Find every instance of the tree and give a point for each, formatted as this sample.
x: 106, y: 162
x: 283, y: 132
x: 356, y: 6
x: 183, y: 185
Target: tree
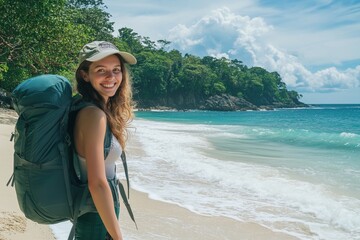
x: 197, y: 79
x: 131, y: 38
x: 92, y: 16
x: 174, y: 84
x: 45, y: 36
x: 24, y: 46
x: 148, y: 44
x: 219, y: 88
x: 163, y: 44
x: 151, y: 78
x: 253, y: 89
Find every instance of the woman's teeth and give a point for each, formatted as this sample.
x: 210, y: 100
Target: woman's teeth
x: 110, y: 85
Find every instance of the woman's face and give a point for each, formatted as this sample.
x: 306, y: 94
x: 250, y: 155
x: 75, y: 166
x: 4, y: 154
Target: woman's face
x: 105, y: 76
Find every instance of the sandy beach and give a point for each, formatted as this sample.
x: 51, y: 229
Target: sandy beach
x: 155, y: 219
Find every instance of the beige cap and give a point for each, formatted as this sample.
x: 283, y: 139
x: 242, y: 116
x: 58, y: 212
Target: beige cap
x: 98, y: 50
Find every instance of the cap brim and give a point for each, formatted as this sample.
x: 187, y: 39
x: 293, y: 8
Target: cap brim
x: 129, y: 58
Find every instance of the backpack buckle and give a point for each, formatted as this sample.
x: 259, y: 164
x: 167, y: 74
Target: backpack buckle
x: 68, y: 139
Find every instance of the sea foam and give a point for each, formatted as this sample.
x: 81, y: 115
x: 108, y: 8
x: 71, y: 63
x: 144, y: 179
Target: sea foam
x: 182, y: 166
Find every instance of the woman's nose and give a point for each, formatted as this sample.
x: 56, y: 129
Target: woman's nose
x: 110, y: 74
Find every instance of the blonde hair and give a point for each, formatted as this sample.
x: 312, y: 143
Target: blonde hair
x: 118, y: 109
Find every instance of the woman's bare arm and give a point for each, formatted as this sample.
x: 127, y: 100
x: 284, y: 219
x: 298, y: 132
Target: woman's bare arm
x: 91, y: 123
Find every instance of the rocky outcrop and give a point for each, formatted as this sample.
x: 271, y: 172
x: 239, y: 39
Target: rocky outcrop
x: 227, y: 102
x: 284, y: 105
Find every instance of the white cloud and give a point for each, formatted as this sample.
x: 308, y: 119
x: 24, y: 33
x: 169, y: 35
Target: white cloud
x: 223, y: 33
x: 331, y: 78
x: 296, y: 75
x: 314, y: 31
x: 226, y: 34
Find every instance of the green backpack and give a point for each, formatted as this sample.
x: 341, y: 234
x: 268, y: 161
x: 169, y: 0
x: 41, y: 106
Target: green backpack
x: 47, y: 185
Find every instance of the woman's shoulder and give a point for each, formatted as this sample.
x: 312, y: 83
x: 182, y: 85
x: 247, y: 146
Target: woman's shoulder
x: 91, y: 116
x: 91, y: 110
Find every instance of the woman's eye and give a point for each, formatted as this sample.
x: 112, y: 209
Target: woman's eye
x: 104, y: 72
x: 117, y: 70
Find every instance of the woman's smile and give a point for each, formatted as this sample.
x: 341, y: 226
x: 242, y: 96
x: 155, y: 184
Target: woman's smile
x: 108, y: 85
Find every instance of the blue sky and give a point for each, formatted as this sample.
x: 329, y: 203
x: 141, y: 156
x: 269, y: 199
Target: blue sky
x: 313, y: 44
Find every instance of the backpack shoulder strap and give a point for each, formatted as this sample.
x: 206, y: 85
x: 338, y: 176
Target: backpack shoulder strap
x: 107, y: 140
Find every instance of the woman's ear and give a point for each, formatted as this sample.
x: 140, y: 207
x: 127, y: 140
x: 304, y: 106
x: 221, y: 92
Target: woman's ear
x: 84, y: 75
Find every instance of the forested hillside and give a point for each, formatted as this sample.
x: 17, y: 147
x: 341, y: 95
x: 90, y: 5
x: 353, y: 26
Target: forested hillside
x: 38, y: 37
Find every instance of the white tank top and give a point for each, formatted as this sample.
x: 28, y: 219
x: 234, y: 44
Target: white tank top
x: 110, y: 167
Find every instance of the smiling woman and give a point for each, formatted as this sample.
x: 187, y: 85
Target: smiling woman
x: 103, y: 81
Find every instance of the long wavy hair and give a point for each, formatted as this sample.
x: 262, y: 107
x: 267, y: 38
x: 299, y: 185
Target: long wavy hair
x: 118, y: 109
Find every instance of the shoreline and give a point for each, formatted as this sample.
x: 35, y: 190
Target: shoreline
x: 155, y: 219
x: 161, y: 220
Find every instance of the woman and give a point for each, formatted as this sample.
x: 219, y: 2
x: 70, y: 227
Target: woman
x: 102, y: 78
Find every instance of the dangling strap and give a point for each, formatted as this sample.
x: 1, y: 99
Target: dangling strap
x: 72, y: 232
x: 123, y: 159
x: 12, y: 179
x: 122, y: 190
x: 126, y: 202
x: 77, y: 212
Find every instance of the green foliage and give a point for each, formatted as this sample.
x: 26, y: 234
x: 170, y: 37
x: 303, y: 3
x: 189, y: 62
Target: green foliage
x: 3, y: 69
x: 151, y: 73
x: 131, y: 39
x: 45, y: 36
x: 38, y: 37
x: 219, y: 88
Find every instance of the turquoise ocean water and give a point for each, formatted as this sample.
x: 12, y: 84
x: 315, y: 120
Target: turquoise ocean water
x: 291, y: 170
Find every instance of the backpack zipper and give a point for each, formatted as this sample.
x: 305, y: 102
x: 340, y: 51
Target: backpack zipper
x: 12, y: 136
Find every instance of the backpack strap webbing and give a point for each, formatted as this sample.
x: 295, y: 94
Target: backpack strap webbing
x: 126, y: 202
x: 123, y: 159
x: 77, y: 211
x: 72, y: 232
x: 122, y: 190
